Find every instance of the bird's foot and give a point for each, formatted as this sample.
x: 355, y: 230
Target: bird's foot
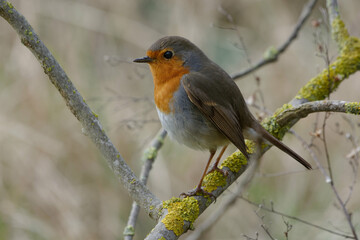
x: 215, y: 168
x: 196, y: 192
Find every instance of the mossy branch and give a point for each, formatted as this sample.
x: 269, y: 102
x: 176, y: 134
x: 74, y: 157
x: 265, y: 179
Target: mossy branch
x: 303, y: 110
x: 347, y: 63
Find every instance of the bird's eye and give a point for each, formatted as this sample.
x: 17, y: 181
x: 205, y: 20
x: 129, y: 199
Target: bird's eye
x: 168, y: 54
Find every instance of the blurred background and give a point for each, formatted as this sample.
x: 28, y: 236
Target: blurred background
x: 54, y: 184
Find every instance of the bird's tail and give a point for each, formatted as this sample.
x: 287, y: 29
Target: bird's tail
x: 274, y: 141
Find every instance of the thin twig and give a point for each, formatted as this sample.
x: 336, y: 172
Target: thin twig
x: 345, y: 211
x: 240, y: 37
x: 333, y: 10
x: 150, y: 156
x: 313, y: 155
x: 272, y: 210
x: 303, y: 17
x: 332, y: 184
x: 327, y: 155
x: 354, y: 160
x: 250, y: 238
x: 267, y: 231
x: 288, y: 228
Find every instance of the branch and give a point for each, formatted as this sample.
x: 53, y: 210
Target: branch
x: 302, y: 110
x: 333, y: 9
x: 150, y: 156
x: 272, y: 53
x: 346, y: 63
x: 77, y: 105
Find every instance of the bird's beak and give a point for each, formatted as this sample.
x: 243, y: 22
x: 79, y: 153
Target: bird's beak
x: 143, y: 60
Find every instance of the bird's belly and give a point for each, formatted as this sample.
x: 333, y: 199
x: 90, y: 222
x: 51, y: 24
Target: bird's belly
x: 187, y: 125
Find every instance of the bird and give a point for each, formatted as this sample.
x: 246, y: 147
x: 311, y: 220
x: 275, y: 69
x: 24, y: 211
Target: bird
x: 200, y: 105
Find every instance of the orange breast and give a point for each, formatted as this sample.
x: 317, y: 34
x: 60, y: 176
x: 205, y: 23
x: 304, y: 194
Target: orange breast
x: 167, y: 76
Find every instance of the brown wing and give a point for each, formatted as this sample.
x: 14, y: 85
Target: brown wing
x: 221, y: 113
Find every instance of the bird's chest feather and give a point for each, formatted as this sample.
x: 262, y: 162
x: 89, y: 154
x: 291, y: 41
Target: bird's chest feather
x: 186, y: 124
x: 167, y: 79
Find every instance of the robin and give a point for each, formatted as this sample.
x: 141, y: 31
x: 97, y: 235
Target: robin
x: 199, y: 104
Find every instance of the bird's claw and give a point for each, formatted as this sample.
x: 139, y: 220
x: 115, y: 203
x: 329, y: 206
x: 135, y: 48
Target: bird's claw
x: 222, y: 171
x: 196, y: 192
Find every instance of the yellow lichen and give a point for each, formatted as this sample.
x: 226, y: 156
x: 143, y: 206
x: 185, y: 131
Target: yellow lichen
x: 339, y: 32
x: 180, y: 210
x: 353, y: 108
x: 151, y: 153
x: 213, y: 180
x: 129, y: 231
x: 347, y: 63
x: 271, y: 125
x: 9, y: 4
x: 95, y: 115
x: 48, y: 69
x: 160, y: 139
x: 271, y: 53
x: 284, y: 107
x: 236, y: 161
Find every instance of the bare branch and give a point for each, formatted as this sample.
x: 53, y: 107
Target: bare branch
x: 308, y: 147
x: 275, y: 53
x: 353, y: 157
x: 150, y: 156
x: 333, y: 9
x: 345, y: 211
x: 272, y: 210
x: 342, y: 38
x: 266, y: 229
x: 77, y: 105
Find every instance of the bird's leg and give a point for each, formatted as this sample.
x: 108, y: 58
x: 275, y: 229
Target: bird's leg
x: 215, y: 166
x: 198, y: 188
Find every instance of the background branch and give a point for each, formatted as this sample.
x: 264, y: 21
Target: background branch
x: 272, y: 210
x: 149, y: 158
x: 273, y: 53
x: 77, y: 105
